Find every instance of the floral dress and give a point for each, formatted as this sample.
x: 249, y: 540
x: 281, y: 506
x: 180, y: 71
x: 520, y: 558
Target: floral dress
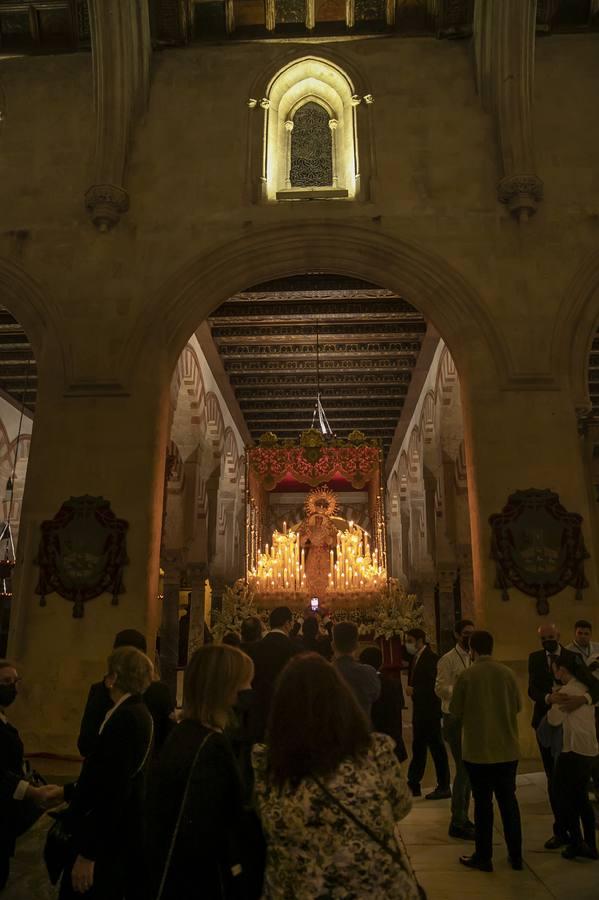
x: 315, y: 852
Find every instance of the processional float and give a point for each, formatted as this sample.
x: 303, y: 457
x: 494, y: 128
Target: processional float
x: 323, y: 556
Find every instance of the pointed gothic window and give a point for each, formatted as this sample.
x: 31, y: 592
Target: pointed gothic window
x: 309, y: 133
x: 311, y: 163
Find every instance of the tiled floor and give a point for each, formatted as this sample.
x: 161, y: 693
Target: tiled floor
x: 546, y: 875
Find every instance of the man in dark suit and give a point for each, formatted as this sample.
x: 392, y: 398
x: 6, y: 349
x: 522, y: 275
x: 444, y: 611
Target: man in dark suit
x: 541, y: 690
x: 387, y: 711
x: 426, y: 717
x: 17, y: 796
x: 270, y: 656
x: 157, y: 698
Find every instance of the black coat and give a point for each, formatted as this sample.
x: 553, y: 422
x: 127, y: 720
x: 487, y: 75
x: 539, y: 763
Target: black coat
x: 270, y: 655
x: 421, y: 677
x: 541, y: 680
x: 320, y: 644
x: 215, y: 833
x: 11, y: 773
x: 106, y: 803
x: 157, y: 698
x: 386, y: 713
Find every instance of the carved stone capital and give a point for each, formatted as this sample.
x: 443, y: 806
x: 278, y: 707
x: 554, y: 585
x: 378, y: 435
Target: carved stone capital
x: 106, y: 204
x: 520, y: 193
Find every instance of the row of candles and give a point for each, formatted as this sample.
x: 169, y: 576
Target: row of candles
x: 352, y: 566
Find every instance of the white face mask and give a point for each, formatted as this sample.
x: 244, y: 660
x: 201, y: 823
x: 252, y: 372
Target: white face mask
x: 411, y: 649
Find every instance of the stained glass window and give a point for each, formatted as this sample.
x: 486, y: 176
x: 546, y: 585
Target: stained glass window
x: 311, y: 148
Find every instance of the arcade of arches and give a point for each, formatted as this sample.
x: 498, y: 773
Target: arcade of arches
x: 172, y: 275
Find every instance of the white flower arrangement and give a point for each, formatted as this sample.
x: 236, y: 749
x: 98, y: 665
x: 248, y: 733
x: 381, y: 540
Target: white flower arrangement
x: 393, y: 616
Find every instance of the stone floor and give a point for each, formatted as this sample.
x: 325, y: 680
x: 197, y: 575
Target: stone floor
x: 546, y: 875
x: 434, y: 856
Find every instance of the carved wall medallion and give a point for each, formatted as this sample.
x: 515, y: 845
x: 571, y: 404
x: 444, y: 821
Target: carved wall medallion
x: 82, y: 553
x: 538, y: 547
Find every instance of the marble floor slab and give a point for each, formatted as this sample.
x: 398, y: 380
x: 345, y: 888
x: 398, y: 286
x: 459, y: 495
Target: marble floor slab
x: 434, y: 855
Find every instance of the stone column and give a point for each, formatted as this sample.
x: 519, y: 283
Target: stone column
x: 217, y: 586
x: 504, y: 42
x: 333, y: 125
x: 288, y: 130
x: 446, y: 575
x: 121, y: 50
x: 169, y: 627
x: 270, y: 15
x: 517, y: 438
x: 90, y: 438
x: 197, y: 575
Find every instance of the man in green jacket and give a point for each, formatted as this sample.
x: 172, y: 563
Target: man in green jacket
x: 487, y: 701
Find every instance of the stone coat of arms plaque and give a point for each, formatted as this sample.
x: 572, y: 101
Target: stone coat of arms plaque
x: 538, y: 547
x: 82, y: 552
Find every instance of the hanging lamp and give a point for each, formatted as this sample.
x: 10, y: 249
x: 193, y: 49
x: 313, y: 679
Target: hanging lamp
x: 319, y: 413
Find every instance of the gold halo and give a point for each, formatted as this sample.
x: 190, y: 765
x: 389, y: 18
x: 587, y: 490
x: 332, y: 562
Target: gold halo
x: 320, y: 494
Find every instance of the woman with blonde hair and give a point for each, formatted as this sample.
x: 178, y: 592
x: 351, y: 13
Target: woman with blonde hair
x: 201, y: 840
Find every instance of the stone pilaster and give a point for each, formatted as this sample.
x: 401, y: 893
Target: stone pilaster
x: 446, y: 582
x: 169, y: 629
x: 196, y: 576
x: 217, y: 586
x: 121, y: 50
x: 504, y: 42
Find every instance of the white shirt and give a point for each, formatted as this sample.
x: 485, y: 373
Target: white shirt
x: 21, y: 788
x: 449, y: 669
x: 579, y: 726
x: 112, y: 711
x: 589, y: 654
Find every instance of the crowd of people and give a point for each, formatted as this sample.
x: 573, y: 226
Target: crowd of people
x: 281, y: 776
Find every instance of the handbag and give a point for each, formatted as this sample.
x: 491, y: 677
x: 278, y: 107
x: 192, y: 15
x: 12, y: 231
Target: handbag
x: 58, y: 849
x: 402, y: 859
x: 171, y: 849
x: 242, y: 877
x: 58, y: 846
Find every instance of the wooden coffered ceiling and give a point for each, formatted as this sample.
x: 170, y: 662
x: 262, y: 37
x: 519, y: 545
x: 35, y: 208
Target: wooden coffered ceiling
x: 18, y: 371
x: 369, y: 342
x: 51, y: 26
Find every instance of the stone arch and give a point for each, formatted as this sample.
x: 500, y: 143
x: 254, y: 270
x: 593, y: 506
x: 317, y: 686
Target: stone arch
x: 188, y: 376
x: 447, y: 377
x: 415, y: 456
x: 402, y: 474
x: 39, y: 316
x: 421, y: 276
x: 427, y: 418
x: 394, y: 496
x: 230, y: 463
x: 215, y: 426
x: 575, y: 329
